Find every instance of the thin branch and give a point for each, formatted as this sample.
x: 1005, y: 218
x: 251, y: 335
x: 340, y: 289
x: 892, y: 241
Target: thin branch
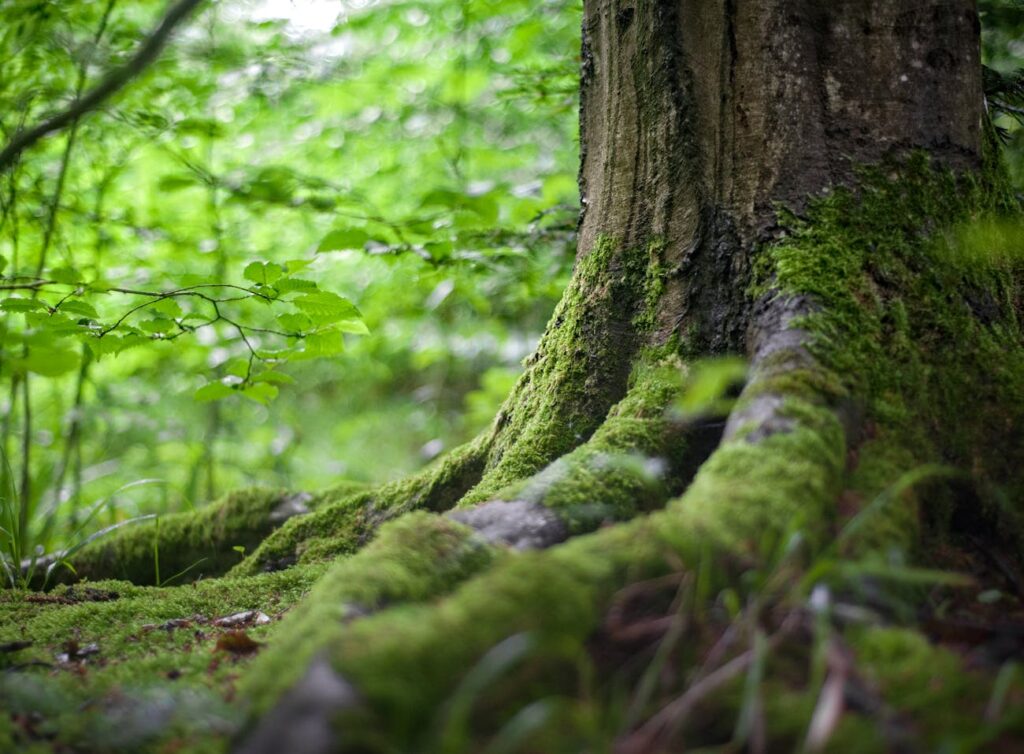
x: 114, y: 82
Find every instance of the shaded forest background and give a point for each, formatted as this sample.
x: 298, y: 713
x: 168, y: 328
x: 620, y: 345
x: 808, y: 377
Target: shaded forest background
x: 414, y: 161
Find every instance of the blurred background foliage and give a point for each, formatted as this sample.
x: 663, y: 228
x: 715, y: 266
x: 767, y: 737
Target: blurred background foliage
x: 414, y: 159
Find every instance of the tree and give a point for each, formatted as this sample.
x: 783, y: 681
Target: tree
x: 815, y: 186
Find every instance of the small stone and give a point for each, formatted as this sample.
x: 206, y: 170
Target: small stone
x: 245, y: 618
x: 174, y: 623
x: 73, y: 651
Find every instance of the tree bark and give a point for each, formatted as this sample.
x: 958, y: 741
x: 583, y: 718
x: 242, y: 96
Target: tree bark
x: 699, y: 118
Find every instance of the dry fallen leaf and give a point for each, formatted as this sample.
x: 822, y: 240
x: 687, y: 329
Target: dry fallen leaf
x: 237, y: 643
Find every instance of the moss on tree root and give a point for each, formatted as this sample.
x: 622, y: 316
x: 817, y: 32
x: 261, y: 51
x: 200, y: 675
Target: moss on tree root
x: 406, y: 659
x: 206, y: 542
x: 580, y: 368
x: 414, y: 559
x: 342, y: 524
x: 640, y: 456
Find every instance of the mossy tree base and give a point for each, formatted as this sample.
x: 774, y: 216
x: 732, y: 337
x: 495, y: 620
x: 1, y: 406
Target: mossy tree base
x: 804, y: 585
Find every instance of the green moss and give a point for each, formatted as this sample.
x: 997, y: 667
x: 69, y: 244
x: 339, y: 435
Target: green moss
x: 631, y: 464
x: 892, y: 524
x: 416, y: 558
x: 342, y: 525
x: 747, y: 496
x: 917, y: 314
x: 145, y: 684
x: 653, y: 287
x: 186, y: 545
x: 929, y: 685
x: 580, y: 368
x: 406, y: 672
x: 744, y: 499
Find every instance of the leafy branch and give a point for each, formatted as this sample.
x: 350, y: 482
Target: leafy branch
x: 110, y: 85
x: 319, y: 321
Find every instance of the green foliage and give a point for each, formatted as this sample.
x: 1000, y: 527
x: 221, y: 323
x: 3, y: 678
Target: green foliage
x: 281, y: 223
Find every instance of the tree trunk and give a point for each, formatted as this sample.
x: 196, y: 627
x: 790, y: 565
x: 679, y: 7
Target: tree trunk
x: 699, y: 118
x: 790, y: 180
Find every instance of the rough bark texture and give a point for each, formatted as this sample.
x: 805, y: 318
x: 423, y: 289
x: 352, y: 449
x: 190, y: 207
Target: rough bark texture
x: 445, y: 603
x: 699, y: 118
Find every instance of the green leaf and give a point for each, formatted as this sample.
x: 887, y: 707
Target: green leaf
x: 263, y: 273
x: 49, y: 326
x: 213, y: 391
x: 73, y: 306
x: 274, y: 377
x: 292, y: 265
x: 295, y: 322
x: 239, y: 367
x: 354, y: 326
x: 168, y: 307
x: 325, y: 307
x: 278, y: 354
x: 342, y: 239
x: 441, y: 197
x: 48, y: 362
x: 66, y: 275
x: 99, y: 285
x: 260, y: 392
x: 114, y: 344
x: 272, y: 184
x: 486, y: 206
x: 708, y: 386
x: 290, y: 285
x: 157, y: 325
x: 322, y: 344
x: 176, y: 182
x: 199, y: 126
x: 18, y: 304
x: 439, y: 250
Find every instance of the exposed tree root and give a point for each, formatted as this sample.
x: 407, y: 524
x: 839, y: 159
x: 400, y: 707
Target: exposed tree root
x: 201, y: 543
x: 344, y: 524
x: 786, y: 468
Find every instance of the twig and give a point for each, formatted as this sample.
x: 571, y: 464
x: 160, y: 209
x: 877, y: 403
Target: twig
x: 114, y: 82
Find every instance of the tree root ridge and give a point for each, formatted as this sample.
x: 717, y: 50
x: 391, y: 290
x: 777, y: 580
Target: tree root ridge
x: 344, y: 525
x: 750, y: 491
x: 192, y: 544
